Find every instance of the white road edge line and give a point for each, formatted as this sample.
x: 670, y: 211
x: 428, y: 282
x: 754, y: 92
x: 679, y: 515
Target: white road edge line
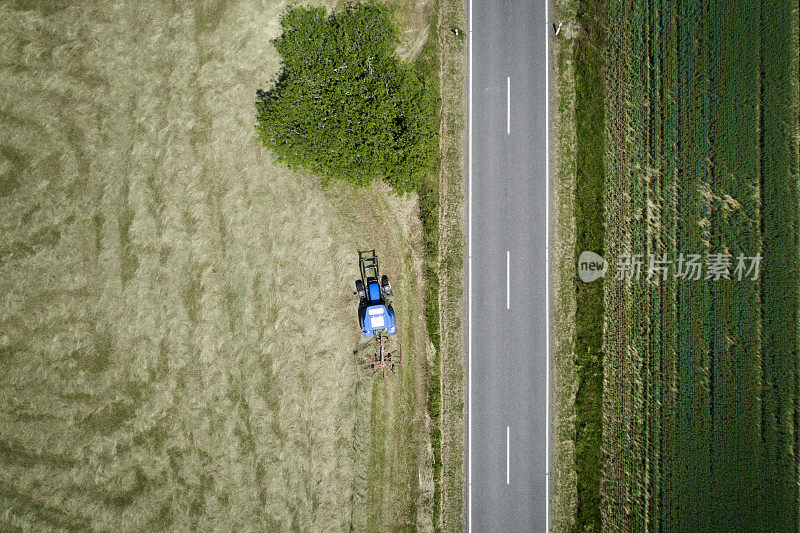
x: 508, y: 105
x: 508, y: 279
x: 469, y: 288
x: 508, y: 455
x: 547, y: 257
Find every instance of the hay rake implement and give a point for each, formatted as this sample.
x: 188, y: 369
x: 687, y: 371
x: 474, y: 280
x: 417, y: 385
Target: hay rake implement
x: 379, y: 356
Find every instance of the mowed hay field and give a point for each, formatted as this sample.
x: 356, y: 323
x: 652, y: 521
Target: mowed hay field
x: 701, y: 377
x: 176, y: 312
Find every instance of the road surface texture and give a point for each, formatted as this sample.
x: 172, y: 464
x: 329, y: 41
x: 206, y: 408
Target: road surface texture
x: 508, y: 302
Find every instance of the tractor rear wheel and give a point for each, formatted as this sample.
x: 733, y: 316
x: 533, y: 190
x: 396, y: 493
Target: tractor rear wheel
x: 360, y: 289
x: 387, y: 288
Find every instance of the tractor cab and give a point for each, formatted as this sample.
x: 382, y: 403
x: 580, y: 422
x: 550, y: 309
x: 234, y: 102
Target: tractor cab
x: 375, y: 311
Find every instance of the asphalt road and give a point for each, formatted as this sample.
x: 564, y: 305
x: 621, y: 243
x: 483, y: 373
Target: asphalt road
x: 508, y: 208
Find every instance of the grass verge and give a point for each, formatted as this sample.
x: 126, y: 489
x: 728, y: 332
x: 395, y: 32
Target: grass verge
x: 450, y: 469
x: 428, y: 65
x: 564, y: 480
x: 589, y: 218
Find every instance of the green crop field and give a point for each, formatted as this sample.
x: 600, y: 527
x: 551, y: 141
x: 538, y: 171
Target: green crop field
x: 700, y: 393
x: 176, y: 311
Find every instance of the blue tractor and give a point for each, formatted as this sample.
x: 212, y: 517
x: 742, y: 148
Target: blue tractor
x: 375, y: 313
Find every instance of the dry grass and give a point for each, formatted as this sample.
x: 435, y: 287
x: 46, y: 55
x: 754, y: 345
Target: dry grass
x: 413, y: 18
x: 452, y: 14
x: 176, y: 322
x: 564, y: 480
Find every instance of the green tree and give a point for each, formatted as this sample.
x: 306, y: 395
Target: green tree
x: 344, y: 105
